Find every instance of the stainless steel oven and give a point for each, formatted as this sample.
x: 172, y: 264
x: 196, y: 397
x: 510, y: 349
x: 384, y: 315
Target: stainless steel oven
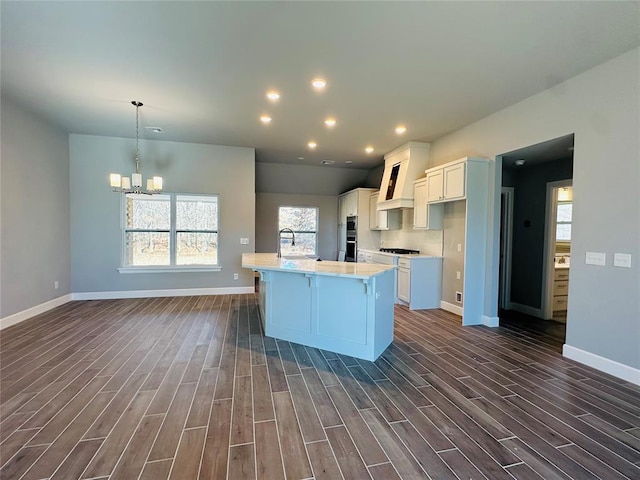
x: 351, y: 254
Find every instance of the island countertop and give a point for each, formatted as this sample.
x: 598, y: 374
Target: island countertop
x: 270, y: 261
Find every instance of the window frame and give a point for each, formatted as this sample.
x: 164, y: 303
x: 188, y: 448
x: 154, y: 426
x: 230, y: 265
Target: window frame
x: 558, y: 222
x: 173, y: 267
x: 317, y: 216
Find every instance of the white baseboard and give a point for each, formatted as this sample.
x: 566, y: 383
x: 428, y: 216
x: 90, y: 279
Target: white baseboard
x: 518, y: 307
x: 450, y: 307
x: 620, y: 370
x: 33, y: 311
x: 56, y: 302
x: 182, y: 292
x: 490, y: 321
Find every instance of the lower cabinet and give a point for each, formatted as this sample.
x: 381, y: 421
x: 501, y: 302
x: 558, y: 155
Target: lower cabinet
x: 419, y: 282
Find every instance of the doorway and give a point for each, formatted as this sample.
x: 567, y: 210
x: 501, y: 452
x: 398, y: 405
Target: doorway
x: 531, y: 176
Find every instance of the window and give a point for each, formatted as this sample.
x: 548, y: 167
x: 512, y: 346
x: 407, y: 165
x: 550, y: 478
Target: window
x: 170, y: 230
x: 304, y: 223
x: 563, y: 221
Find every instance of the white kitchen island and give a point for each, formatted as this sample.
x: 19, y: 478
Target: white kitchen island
x: 337, y: 306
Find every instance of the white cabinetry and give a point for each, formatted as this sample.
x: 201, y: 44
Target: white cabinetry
x: 420, y: 282
x: 383, y: 219
x: 446, y: 183
x: 355, y: 203
x: 423, y: 218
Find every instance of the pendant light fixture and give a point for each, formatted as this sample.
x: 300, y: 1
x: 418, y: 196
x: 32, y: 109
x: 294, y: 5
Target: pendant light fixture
x: 126, y: 185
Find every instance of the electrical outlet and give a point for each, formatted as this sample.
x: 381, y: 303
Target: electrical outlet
x: 459, y: 297
x: 235, y: 276
x: 457, y: 275
x: 459, y: 247
x: 244, y: 241
x: 55, y: 284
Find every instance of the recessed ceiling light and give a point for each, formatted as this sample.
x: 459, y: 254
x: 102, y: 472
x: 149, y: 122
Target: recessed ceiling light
x: 154, y: 129
x: 401, y: 129
x: 273, y: 95
x: 319, y: 83
x: 519, y: 162
x: 266, y: 119
x: 330, y: 122
x: 369, y: 149
x: 328, y: 162
x: 348, y: 162
x: 300, y: 158
x: 312, y: 145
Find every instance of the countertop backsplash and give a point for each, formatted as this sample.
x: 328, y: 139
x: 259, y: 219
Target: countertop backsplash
x: 428, y: 242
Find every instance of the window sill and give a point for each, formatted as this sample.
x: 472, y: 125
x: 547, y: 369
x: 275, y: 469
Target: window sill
x: 176, y: 269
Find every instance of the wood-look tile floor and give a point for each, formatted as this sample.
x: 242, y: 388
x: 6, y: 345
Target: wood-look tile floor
x: 188, y: 388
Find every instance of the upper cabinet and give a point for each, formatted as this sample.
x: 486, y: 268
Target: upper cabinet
x: 382, y: 219
x: 423, y: 218
x: 446, y: 183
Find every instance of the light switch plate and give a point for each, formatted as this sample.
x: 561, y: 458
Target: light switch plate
x: 622, y: 260
x: 459, y: 247
x: 596, y: 258
x: 244, y: 241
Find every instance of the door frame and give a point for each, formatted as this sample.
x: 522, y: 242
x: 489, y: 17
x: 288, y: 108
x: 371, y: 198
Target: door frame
x: 550, y: 245
x: 506, y: 246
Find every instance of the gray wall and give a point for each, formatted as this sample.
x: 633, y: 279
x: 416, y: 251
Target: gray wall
x: 35, y: 210
x: 530, y: 197
x: 453, y: 261
x: 601, y: 107
x: 186, y: 168
x: 309, y: 180
x: 267, y: 220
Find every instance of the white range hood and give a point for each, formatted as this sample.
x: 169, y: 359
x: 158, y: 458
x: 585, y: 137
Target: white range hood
x: 402, y: 167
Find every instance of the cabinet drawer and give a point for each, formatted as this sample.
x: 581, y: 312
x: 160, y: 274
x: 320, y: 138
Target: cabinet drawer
x: 560, y: 303
x: 561, y: 274
x: 404, y: 262
x: 560, y: 287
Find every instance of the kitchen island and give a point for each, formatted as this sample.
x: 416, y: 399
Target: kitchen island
x: 342, y: 307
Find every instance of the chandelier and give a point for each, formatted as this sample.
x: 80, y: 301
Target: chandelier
x: 134, y: 184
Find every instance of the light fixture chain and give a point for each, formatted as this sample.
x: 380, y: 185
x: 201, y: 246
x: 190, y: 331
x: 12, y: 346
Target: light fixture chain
x: 137, y: 140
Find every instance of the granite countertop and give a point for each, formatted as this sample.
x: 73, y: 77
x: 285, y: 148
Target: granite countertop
x: 269, y: 261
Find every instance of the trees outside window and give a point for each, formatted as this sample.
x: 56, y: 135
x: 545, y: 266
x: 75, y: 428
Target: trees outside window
x: 304, y: 223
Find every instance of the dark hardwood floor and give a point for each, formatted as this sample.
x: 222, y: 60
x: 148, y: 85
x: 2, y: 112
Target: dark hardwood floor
x: 188, y: 388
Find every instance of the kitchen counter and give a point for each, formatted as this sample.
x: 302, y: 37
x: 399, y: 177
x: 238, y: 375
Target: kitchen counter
x: 342, y: 307
x: 269, y: 261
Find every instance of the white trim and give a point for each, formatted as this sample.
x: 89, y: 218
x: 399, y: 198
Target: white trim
x: 450, y: 307
x: 518, y: 307
x: 549, y: 250
x: 506, y: 246
x: 170, y: 269
x: 490, y: 321
x: 161, y: 293
x: 620, y: 370
x: 33, y: 311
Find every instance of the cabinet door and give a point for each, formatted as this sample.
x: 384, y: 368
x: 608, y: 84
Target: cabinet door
x: 420, y: 204
x: 404, y: 284
x: 373, y: 212
x: 454, y: 181
x: 342, y: 210
x: 352, y: 204
x: 434, y: 186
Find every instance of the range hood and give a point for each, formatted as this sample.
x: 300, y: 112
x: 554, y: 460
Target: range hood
x: 402, y: 167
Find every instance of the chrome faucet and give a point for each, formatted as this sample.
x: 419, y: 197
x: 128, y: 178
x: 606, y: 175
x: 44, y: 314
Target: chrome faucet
x: 293, y: 239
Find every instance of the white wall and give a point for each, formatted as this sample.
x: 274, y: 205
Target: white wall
x: 267, y: 220
x: 186, y: 168
x: 601, y: 107
x: 35, y: 210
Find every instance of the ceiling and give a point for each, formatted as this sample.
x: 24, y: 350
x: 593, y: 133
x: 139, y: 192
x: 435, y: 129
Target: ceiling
x: 559, y: 148
x: 202, y: 68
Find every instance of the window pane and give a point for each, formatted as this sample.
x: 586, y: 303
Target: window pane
x: 298, y: 218
x: 563, y: 231
x: 148, y: 213
x: 305, y: 244
x: 144, y: 248
x: 565, y: 211
x: 197, y: 249
x: 196, y: 213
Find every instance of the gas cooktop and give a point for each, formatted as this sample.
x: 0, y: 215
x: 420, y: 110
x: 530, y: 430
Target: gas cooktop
x: 399, y: 251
